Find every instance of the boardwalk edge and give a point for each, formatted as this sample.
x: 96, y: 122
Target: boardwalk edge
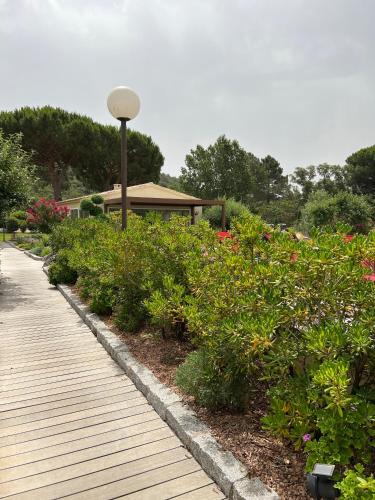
x: 220, y: 465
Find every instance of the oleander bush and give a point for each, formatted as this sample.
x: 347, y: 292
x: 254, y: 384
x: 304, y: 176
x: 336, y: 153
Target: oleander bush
x: 356, y: 485
x: 256, y: 304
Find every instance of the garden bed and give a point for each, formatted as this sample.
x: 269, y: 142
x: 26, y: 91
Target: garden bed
x: 276, y: 464
x: 257, y: 304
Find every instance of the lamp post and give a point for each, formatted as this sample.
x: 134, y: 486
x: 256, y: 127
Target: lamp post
x: 123, y: 104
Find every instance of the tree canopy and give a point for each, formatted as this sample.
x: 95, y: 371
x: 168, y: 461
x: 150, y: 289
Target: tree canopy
x: 16, y: 174
x: 64, y: 143
x: 225, y: 169
x: 361, y: 170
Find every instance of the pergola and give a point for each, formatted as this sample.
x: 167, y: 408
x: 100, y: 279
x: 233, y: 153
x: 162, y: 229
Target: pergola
x: 137, y: 202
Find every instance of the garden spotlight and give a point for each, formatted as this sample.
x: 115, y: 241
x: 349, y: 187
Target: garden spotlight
x: 320, y: 484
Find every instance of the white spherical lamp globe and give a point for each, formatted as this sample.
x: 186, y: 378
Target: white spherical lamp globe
x: 123, y: 103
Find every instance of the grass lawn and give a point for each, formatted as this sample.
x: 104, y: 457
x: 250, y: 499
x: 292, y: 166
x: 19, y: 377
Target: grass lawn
x: 13, y: 236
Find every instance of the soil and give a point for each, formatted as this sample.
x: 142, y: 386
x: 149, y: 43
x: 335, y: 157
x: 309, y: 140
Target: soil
x: 276, y: 463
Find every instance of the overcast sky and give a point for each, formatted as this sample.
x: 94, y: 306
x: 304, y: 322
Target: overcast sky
x: 290, y: 78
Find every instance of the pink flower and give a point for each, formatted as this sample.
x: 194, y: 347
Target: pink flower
x: 369, y: 277
x: 306, y: 437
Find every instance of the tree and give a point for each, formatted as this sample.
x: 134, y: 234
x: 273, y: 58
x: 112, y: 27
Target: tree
x: 170, y: 181
x: 224, y: 169
x: 361, y: 171
x: 64, y: 142
x: 330, y: 178
x: 284, y: 210
x: 304, y: 177
x: 323, y: 209
x: 16, y: 174
x: 43, y: 133
x: 273, y: 184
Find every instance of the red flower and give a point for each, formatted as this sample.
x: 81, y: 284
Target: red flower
x: 369, y: 277
x: 347, y: 238
x: 294, y: 257
x: 267, y: 236
x: 222, y: 235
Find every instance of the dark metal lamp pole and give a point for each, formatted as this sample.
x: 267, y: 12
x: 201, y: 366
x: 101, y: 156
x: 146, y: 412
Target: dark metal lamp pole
x: 124, y: 171
x: 123, y: 104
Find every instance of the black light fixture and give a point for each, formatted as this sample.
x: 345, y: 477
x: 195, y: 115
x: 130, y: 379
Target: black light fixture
x: 320, y: 483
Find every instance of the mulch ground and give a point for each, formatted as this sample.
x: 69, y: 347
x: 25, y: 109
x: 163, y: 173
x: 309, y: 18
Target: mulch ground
x: 273, y: 461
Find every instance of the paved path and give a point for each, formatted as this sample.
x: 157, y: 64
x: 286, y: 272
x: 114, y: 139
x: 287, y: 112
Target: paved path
x: 71, y: 423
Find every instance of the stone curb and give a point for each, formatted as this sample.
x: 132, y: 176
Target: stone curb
x: 26, y: 252
x: 220, y: 465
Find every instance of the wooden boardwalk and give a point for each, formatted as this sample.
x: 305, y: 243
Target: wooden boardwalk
x: 71, y: 423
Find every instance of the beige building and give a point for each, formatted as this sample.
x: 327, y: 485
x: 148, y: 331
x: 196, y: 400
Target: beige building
x: 149, y: 197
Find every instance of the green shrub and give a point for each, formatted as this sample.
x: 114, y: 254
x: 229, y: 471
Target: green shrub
x: 96, y: 210
x: 46, y: 251
x: 86, y: 205
x: 233, y: 209
x: 91, y: 207
x: 324, y: 210
x: 19, y: 214
x: 22, y: 224
x: 12, y: 224
x: 97, y: 199
x: 36, y: 250
x: 25, y: 245
x: 61, y: 272
x: 256, y: 305
x: 198, y: 378
x: 356, y: 485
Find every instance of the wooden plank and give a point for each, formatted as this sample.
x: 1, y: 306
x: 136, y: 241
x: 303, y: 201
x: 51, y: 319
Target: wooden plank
x: 173, y: 487
x: 140, y: 484
x: 48, y: 373
x: 26, y: 397
x: 67, y: 447
x: 209, y: 492
x: 50, y: 471
x: 71, y: 435
x: 71, y: 409
x: 58, y: 401
x: 112, y: 413
x: 9, y: 371
x: 99, y: 371
x: 52, y: 421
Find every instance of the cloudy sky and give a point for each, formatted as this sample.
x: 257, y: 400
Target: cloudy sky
x: 290, y: 78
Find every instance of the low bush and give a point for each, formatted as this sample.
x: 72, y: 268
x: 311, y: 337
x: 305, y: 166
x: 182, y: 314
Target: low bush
x: 255, y: 303
x: 12, y: 224
x: 36, y: 250
x: 91, y: 205
x: 325, y: 210
x: 46, y: 251
x: 356, y: 485
x: 61, y: 272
